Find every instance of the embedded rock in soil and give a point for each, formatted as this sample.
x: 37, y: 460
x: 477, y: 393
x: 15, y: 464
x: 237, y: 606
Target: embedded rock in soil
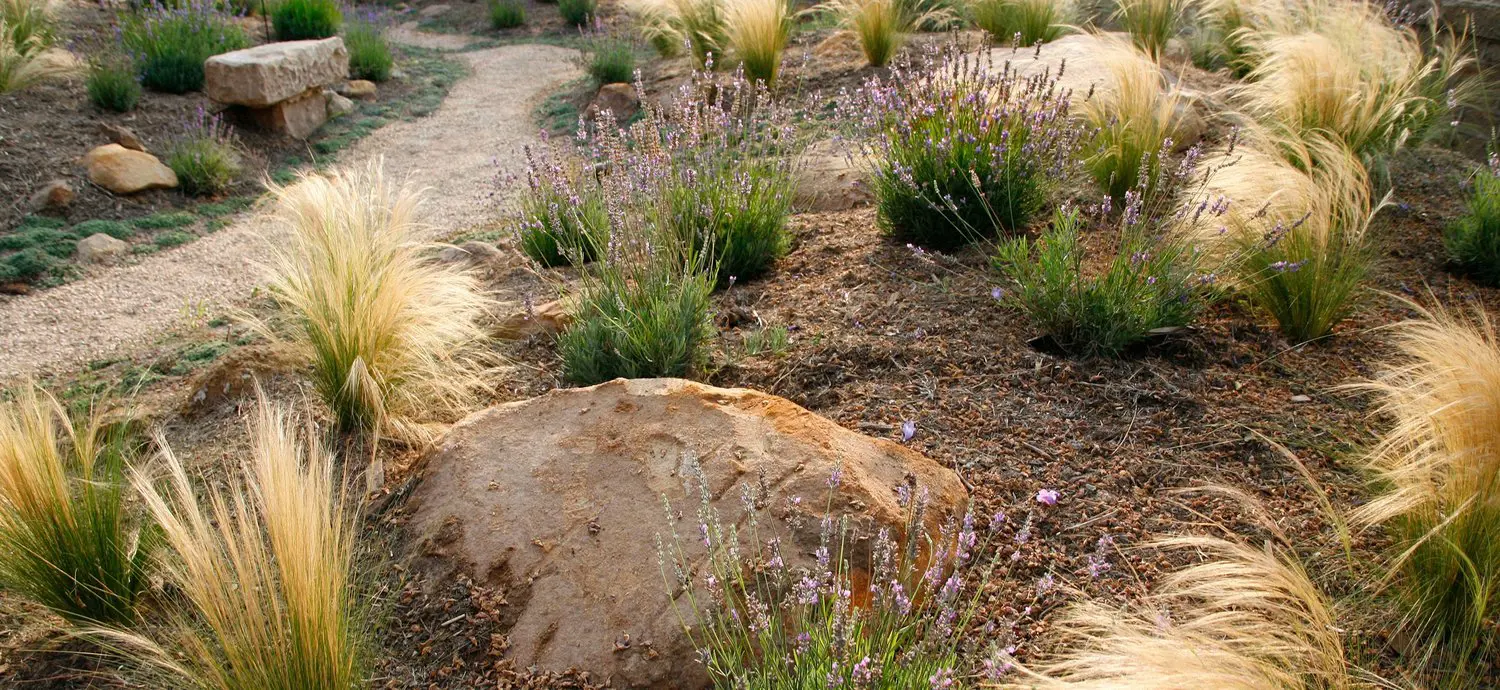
x: 619, y: 99
x: 297, y: 117
x: 266, y: 75
x: 358, y: 88
x: 337, y: 105
x: 122, y: 136
x: 557, y: 502
x: 1087, y: 58
x: 123, y: 171
x: 831, y: 177
x: 548, y: 318
x: 99, y: 248
x: 233, y: 377
x: 53, y: 196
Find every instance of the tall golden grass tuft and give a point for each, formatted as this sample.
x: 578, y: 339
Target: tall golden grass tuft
x: 1151, y: 23
x: 1247, y: 618
x: 265, y: 571
x: 757, y: 32
x: 1134, y: 115
x: 669, y: 25
x: 1438, y: 467
x: 394, y: 337
x: 65, y: 538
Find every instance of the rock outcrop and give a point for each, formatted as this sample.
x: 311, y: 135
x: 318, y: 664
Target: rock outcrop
x: 557, y: 501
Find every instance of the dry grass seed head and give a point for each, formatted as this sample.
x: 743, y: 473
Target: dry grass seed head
x: 1245, y: 617
x: 265, y: 569
x: 394, y: 336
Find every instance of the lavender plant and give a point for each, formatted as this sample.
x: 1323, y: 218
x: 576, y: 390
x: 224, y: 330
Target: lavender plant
x: 111, y: 82
x: 171, y: 42
x: 369, y: 53
x: 204, y: 156
x: 1474, y: 240
x: 1153, y: 282
x: 563, y: 219
x: 870, y: 611
x: 966, y: 148
x: 299, y: 20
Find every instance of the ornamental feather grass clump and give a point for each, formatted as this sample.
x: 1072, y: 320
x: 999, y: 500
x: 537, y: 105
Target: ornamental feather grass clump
x: 1244, y: 617
x: 964, y: 148
x: 265, y: 571
x: 1135, y: 116
x: 1437, y: 469
x: 67, y: 540
x: 393, y: 335
x: 757, y: 32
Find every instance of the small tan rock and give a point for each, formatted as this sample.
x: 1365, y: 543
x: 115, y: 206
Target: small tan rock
x: 53, y: 196
x: 100, y: 248
x: 361, y: 89
x: 338, y: 106
x: 549, y: 318
x: 122, y: 136
x: 123, y: 171
x: 619, y: 99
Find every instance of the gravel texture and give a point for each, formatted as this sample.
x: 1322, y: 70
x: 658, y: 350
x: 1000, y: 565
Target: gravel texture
x: 455, y: 152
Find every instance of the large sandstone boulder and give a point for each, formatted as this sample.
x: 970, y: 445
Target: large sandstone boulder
x: 557, y: 503
x: 265, y: 75
x: 125, y: 171
x: 1082, y: 59
x: 831, y: 175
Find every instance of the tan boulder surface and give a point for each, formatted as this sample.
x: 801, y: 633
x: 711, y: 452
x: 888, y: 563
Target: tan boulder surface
x: 832, y: 176
x: 265, y: 75
x: 556, y: 503
x: 126, y: 171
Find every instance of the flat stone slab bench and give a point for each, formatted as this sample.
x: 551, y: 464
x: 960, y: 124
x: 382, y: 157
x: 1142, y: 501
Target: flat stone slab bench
x: 279, y: 86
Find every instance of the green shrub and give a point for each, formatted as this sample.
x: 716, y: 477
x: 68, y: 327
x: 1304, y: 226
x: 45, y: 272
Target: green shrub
x: 639, y: 318
x: 173, y: 238
x: 1025, y: 22
x: 27, y: 264
x: 67, y: 541
x: 964, y: 149
x: 117, y: 229
x: 611, y: 60
x: 112, y: 84
x: 1150, y: 284
x: 1473, y: 240
x: 507, y: 14
x: 204, y: 156
x: 55, y: 242
x: 369, y: 53
x: 578, y: 12
x: 171, y: 44
x: 41, y: 222
x: 559, y: 228
x: 298, y: 20
x: 736, y: 214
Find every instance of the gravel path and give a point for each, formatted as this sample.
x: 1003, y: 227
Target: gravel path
x: 455, y: 152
